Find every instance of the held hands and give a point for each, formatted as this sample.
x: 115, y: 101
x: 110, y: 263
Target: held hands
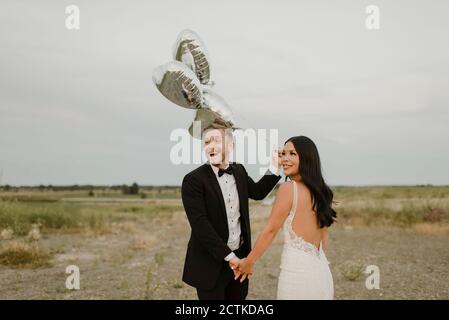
x: 233, y: 264
x: 242, y: 268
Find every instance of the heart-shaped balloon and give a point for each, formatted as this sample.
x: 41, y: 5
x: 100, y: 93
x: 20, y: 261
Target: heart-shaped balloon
x: 190, y: 50
x: 178, y: 84
x: 214, y: 112
x: 214, y: 102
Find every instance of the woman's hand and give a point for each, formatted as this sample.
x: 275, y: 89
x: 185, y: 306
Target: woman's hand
x: 276, y: 158
x: 245, y: 270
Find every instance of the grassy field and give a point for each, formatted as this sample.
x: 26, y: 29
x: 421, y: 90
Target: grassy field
x: 133, y: 247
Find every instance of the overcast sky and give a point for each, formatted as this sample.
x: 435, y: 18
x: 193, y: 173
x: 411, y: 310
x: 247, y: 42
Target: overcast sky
x: 80, y: 107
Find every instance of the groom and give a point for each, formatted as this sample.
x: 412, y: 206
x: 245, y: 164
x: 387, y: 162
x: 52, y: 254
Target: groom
x: 215, y: 198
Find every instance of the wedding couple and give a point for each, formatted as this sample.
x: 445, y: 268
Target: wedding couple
x: 219, y: 259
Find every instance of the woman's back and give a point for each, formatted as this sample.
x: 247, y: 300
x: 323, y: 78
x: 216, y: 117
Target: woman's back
x: 305, y: 221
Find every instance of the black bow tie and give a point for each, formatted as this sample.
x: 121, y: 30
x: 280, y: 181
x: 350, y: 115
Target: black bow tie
x: 228, y: 170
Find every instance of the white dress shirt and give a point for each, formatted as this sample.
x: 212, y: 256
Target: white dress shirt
x: 232, y: 204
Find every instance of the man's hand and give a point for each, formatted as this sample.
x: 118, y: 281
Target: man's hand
x: 233, y: 264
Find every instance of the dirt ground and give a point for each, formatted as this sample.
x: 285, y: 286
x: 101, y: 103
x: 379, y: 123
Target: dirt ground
x: 144, y: 260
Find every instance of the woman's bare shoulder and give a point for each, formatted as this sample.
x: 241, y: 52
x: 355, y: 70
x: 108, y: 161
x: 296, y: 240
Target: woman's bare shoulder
x: 285, y: 191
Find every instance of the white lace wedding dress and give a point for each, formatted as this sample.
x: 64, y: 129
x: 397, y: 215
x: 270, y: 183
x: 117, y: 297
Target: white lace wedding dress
x: 305, y: 273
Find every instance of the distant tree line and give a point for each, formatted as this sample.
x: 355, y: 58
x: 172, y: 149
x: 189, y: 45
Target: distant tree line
x: 132, y: 189
x: 125, y: 189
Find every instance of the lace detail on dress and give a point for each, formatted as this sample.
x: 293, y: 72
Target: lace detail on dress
x: 297, y: 242
x: 291, y: 237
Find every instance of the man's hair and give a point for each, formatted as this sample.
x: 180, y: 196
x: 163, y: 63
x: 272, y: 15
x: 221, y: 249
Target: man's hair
x: 228, y: 131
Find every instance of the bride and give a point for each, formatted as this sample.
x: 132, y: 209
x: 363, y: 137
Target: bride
x: 304, y: 207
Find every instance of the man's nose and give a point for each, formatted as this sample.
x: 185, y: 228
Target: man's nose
x: 214, y: 145
x: 211, y: 147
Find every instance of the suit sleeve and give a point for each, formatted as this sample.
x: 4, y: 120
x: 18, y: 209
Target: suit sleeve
x: 202, y: 229
x: 260, y: 189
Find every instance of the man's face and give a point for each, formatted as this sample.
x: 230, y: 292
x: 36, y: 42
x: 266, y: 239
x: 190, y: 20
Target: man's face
x: 216, y: 146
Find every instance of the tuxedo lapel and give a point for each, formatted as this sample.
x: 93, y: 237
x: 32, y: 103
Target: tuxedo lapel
x: 238, y: 183
x: 243, y: 199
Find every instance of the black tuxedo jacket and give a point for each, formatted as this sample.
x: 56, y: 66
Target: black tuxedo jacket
x: 204, y: 205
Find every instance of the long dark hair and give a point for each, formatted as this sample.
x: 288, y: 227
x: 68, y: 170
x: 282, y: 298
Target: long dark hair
x: 310, y: 172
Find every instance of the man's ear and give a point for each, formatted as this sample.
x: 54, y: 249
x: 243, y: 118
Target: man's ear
x: 230, y: 147
x: 229, y: 141
x: 232, y: 144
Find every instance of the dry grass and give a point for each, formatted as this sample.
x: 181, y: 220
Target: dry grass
x: 22, y: 255
x: 149, y: 285
x: 7, y: 234
x: 352, y: 270
x: 391, y: 192
x: 20, y: 217
x: 395, y: 214
x: 431, y: 229
x: 142, y: 241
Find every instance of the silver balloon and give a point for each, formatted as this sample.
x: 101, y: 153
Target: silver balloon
x: 178, y: 84
x: 190, y: 50
x: 203, y: 119
x: 212, y: 101
x: 214, y: 112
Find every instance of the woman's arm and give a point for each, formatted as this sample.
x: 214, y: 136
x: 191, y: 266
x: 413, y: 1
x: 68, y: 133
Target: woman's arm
x: 281, y: 207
